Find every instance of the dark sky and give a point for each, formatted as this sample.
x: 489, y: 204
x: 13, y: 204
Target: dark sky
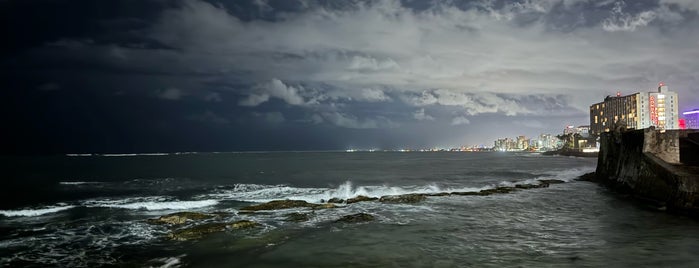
x: 85, y: 76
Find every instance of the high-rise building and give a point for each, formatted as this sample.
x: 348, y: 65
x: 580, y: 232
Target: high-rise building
x: 636, y: 111
x: 691, y: 119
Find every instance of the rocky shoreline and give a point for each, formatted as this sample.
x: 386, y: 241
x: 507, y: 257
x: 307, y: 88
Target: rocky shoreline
x: 188, y: 225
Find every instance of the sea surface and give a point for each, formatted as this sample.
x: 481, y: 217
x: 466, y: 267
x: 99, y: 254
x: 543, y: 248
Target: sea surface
x: 92, y: 211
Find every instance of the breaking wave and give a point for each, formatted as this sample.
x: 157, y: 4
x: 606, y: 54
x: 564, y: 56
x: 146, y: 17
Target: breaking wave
x: 34, y: 212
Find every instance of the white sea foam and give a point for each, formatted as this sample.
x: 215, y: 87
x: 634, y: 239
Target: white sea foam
x: 78, y: 182
x: 34, y: 212
x: 151, y: 203
x: 141, y: 154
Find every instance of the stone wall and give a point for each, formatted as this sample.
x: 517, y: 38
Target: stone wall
x: 646, y: 164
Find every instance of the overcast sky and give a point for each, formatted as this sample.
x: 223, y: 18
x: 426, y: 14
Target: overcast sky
x: 156, y: 75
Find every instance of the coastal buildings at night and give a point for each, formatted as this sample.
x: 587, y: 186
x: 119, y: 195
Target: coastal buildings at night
x: 636, y: 111
x: 691, y: 119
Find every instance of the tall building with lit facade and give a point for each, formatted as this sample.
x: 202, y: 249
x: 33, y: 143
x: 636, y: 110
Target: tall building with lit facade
x: 692, y: 119
x: 636, y: 111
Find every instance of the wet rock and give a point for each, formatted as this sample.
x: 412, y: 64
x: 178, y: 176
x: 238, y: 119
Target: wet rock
x: 336, y: 200
x: 180, y: 218
x: 277, y: 204
x: 552, y: 181
x: 588, y: 177
x: 531, y: 186
x: 404, y: 198
x: 438, y: 194
x: 498, y: 190
x: 322, y: 206
x: 202, y: 230
x: 297, y: 217
x: 355, y: 218
x: 284, y: 204
x: 465, y: 193
x: 360, y: 198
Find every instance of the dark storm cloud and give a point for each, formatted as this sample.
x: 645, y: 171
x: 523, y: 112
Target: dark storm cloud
x: 230, y: 75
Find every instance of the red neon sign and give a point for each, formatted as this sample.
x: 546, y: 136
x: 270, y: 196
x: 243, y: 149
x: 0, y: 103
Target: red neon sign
x: 682, y: 124
x: 653, y: 111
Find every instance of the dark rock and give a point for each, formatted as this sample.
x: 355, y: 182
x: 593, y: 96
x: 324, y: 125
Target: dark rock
x: 336, y: 200
x: 404, y: 198
x: 498, y: 190
x: 200, y: 231
x: 354, y: 218
x: 465, y: 193
x: 439, y: 194
x: 588, y: 177
x: 284, y: 204
x: 360, y: 198
x: 532, y: 186
x: 322, y: 206
x: 180, y: 218
x: 552, y: 181
x: 277, y: 204
x: 297, y: 217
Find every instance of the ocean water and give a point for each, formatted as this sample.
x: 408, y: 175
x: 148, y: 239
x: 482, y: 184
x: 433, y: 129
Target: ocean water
x: 91, y: 211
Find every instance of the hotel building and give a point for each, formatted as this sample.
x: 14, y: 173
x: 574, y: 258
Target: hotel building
x: 636, y: 111
x: 692, y: 119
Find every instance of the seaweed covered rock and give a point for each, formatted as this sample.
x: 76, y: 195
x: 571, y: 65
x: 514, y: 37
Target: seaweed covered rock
x: 285, y: 204
x: 532, y: 186
x: 360, y: 198
x: 297, y: 217
x: 552, y: 181
x: 202, y: 230
x: 180, y: 218
x: 404, y: 198
x: 336, y: 200
x: 498, y: 190
x: 355, y: 218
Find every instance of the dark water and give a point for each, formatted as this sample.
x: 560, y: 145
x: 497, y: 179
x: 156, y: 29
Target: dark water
x: 92, y: 211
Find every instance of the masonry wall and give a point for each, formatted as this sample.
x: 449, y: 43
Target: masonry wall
x: 646, y: 164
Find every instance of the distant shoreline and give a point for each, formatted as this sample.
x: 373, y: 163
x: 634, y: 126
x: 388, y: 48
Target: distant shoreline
x: 571, y: 153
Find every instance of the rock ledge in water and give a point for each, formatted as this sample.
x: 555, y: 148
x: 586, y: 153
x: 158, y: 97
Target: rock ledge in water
x: 297, y: 217
x: 360, y: 198
x: 355, y: 218
x: 200, y: 231
x: 404, y: 198
x: 284, y: 204
x: 180, y: 218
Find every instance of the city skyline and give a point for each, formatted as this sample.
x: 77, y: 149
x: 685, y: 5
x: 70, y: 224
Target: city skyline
x: 261, y: 75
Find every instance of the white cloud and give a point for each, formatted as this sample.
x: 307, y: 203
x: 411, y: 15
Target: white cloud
x: 254, y: 100
x: 692, y: 5
x: 171, y: 94
x: 276, y: 89
x: 472, y: 104
x: 475, y: 57
x: 420, y: 115
x: 349, y: 121
x: 373, y: 95
x: 460, y: 120
x: 621, y: 21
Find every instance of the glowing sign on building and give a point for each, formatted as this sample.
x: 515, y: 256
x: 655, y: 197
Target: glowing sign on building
x: 653, y: 111
x: 682, y: 124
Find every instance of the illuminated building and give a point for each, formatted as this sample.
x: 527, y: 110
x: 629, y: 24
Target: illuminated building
x: 636, y: 111
x: 691, y: 119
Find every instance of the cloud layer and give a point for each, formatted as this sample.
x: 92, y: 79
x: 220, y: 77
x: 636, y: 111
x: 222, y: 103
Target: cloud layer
x: 387, y: 65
